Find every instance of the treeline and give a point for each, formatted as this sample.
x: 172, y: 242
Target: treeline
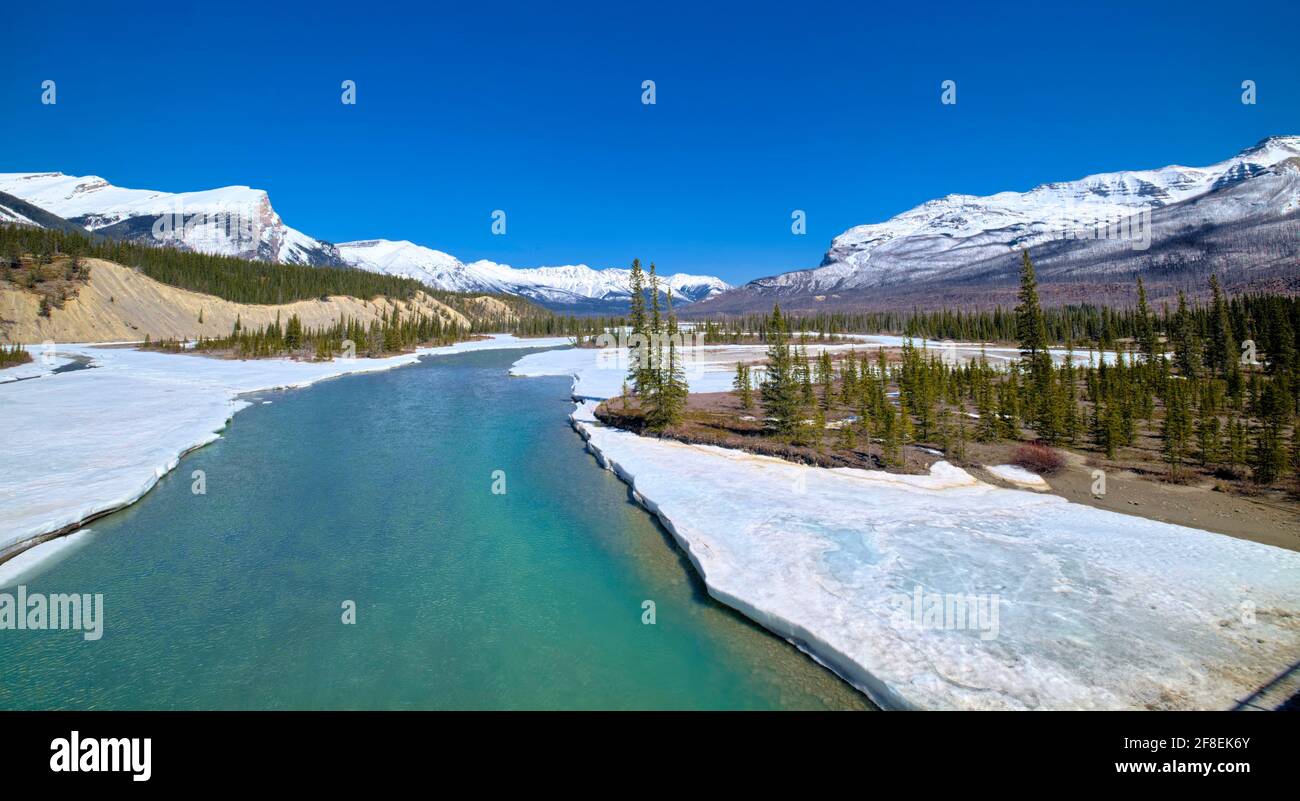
x: 226, y: 277
x: 560, y: 325
x: 1205, y: 394
x: 1254, y: 316
x: 244, y: 281
x: 347, y: 337
x: 13, y: 355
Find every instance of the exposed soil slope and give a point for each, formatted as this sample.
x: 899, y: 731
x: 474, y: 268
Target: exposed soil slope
x: 120, y: 304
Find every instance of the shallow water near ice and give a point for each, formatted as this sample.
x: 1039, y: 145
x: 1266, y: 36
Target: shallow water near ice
x: 378, y: 489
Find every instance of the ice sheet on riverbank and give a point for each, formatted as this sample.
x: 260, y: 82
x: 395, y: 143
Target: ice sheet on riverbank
x: 78, y: 443
x: 600, y: 372
x: 40, y: 558
x: 868, y: 571
x: 40, y: 365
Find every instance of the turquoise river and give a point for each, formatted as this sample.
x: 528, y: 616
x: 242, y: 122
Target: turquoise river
x: 377, y: 489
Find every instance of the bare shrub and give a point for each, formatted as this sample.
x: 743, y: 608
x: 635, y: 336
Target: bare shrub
x: 1039, y: 458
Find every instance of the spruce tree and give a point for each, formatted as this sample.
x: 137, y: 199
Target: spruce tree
x: 1269, y: 457
x: 825, y: 377
x: 1186, y: 342
x: 1029, y: 315
x: 743, y: 386
x: 1207, y: 438
x: 890, y: 436
x: 1222, y: 347
x: 780, y: 389
x: 669, y: 392
x: 1236, y: 453
x: 1146, y: 332
x: 1044, y: 409
x: 1176, y: 428
x: 806, y: 395
x: 639, y: 341
x: 987, y: 430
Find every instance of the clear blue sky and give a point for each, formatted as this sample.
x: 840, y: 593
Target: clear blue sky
x: 762, y: 109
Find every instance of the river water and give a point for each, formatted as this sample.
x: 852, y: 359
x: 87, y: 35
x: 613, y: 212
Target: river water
x: 378, y: 490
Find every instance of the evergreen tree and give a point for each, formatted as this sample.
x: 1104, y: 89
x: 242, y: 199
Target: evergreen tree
x: 806, y: 395
x: 670, y: 390
x: 1269, y: 457
x: 1029, y: 315
x: 638, y: 340
x: 825, y: 377
x: 1295, y: 455
x: 1146, y: 332
x: 1222, y: 347
x: 743, y: 386
x: 1177, y: 426
x: 1044, y: 412
x: 1071, y: 424
x: 1207, y: 438
x: 906, y: 431
x: 1236, y: 454
x: 293, y: 335
x: 890, y: 436
x: 780, y: 389
x: 988, y: 429
x: 1186, y: 342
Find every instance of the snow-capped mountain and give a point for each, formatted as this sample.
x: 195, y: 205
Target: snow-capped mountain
x: 239, y: 221
x: 9, y: 213
x: 570, y: 287
x: 1164, y: 218
x: 232, y: 220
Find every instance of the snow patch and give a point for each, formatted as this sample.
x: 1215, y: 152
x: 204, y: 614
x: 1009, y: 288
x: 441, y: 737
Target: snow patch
x: 1019, y: 476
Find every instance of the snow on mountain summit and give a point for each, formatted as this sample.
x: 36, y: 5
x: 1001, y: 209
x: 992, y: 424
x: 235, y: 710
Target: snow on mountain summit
x: 239, y: 221
x: 944, y: 234
x: 231, y: 220
x: 571, y: 286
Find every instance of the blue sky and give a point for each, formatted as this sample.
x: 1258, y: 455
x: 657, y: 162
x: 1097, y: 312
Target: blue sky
x: 536, y: 110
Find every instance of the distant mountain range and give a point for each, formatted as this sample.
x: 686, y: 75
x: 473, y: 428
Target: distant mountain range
x: 1088, y: 238
x: 239, y: 221
x: 576, y: 288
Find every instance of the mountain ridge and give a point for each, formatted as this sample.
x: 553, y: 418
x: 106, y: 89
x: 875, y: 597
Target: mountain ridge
x: 574, y: 287
x: 1234, y: 216
x: 240, y: 221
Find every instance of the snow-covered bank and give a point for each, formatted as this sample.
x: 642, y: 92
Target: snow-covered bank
x: 872, y: 573
x: 599, y: 372
x: 42, y: 363
x: 32, y: 369
x: 80, y: 443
